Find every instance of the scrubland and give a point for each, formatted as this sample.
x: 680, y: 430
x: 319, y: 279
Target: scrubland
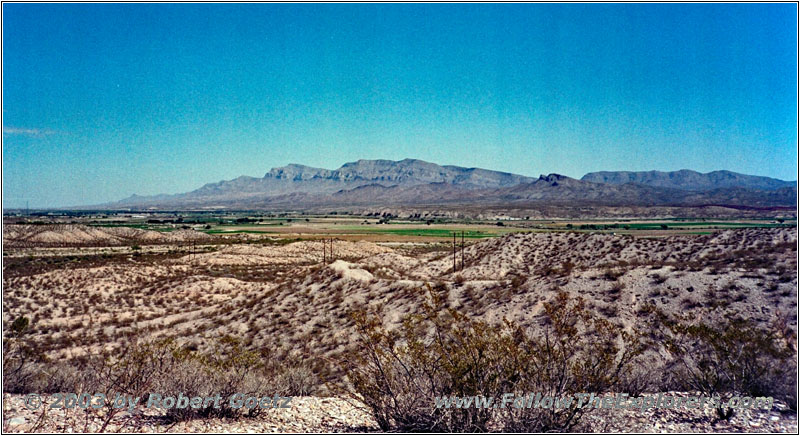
x: 90, y: 296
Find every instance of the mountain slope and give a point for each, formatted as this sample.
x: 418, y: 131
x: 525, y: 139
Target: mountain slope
x: 413, y: 182
x: 296, y: 178
x: 553, y: 189
x: 688, y: 180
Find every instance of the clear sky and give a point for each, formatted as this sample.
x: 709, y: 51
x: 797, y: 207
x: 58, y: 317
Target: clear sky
x: 102, y: 101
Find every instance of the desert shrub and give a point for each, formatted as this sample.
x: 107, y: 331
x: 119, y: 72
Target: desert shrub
x: 161, y: 366
x: 134, y: 370
x: 609, y: 310
x: 59, y: 377
x: 227, y: 368
x: 440, y: 353
x: 517, y: 281
x: 567, y: 267
x: 658, y: 278
x: 21, y: 359
x: 612, y: 274
x: 732, y: 357
x: 398, y: 373
x: 576, y: 352
x: 613, y: 294
x: 295, y: 380
x: 688, y: 304
x: 638, y: 379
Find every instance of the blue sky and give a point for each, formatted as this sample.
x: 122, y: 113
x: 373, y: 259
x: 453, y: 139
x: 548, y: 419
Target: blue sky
x: 102, y: 101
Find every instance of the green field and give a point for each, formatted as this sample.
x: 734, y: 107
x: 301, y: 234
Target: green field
x: 702, y: 224
x: 372, y: 228
x: 436, y: 233
x: 154, y: 227
x: 231, y: 231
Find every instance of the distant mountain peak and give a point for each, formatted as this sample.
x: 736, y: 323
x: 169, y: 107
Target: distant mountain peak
x: 294, y: 172
x: 553, y: 177
x: 688, y: 180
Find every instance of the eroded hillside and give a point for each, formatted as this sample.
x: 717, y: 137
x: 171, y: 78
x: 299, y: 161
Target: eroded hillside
x: 285, y: 297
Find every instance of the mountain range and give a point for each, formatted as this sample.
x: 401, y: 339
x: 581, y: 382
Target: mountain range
x: 412, y: 182
x: 688, y: 180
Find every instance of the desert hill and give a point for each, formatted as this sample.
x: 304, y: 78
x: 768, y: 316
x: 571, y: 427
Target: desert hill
x: 78, y: 235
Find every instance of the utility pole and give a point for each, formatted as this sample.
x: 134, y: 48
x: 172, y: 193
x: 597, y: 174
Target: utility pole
x: 462, y: 250
x: 454, y: 252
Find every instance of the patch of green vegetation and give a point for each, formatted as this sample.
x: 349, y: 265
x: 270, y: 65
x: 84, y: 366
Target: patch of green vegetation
x: 233, y: 231
x: 282, y: 241
x: 689, y: 225
x: 137, y: 226
x: 437, y: 233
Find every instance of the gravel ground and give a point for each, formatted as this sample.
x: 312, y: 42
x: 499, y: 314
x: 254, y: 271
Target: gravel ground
x: 778, y: 420
x: 315, y: 415
x: 306, y: 414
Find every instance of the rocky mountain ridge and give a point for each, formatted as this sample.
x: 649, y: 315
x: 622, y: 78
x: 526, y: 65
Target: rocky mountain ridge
x: 414, y: 182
